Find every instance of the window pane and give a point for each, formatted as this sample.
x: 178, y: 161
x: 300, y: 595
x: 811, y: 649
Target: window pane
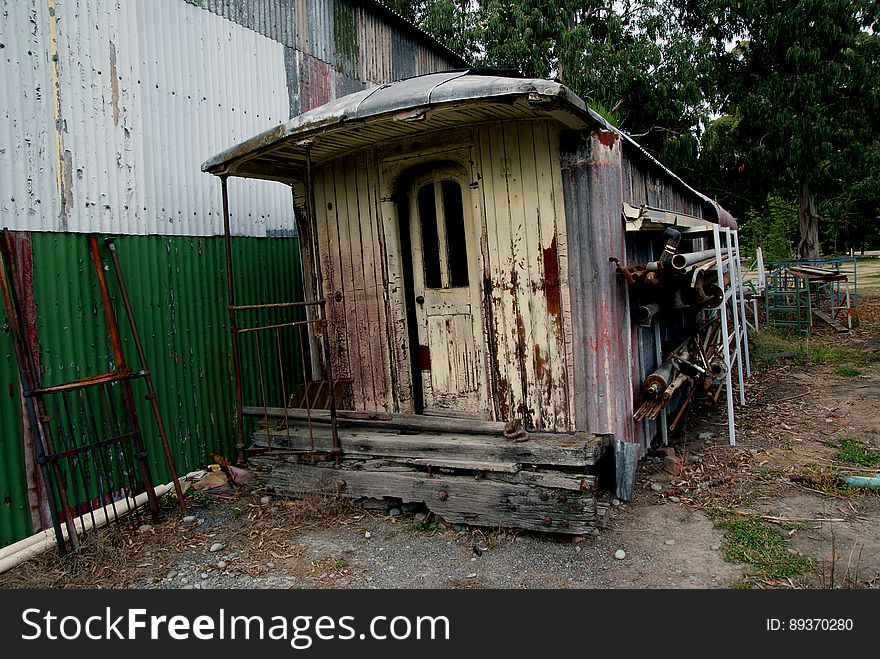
x: 455, y: 235
x: 430, y: 242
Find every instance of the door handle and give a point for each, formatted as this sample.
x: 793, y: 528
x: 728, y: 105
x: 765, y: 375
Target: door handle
x: 420, y: 299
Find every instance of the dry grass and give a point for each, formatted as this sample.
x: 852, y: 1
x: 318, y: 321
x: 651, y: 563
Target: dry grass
x: 118, y: 556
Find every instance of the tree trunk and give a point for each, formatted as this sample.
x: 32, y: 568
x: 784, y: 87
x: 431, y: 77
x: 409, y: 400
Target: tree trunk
x: 808, y: 221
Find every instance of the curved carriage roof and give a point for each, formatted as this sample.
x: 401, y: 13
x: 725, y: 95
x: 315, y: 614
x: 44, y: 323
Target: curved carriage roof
x: 410, y: 107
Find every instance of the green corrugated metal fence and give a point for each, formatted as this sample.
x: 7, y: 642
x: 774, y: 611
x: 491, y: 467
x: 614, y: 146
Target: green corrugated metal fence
x: 177, y: 287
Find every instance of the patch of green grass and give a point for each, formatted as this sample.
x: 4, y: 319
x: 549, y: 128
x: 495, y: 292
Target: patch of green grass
x: 762, y: 546
x: 339, y: 564
x: 773, y: 347
x: 428, y: 525
x: 198, y: 497
x: 856, y: 452
x: 389, y: 536
x: 848, y: 372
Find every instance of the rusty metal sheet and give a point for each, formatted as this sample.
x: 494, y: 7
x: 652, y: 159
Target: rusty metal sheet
x: 591, y: 173
x: 316, y: 84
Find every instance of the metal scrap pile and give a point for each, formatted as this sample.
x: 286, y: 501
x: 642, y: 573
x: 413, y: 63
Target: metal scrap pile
x: 686, y: 281
x: 677, y: 282
x: 696, y: 363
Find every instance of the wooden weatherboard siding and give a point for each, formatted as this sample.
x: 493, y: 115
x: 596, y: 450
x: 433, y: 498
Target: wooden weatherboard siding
x: 515, y: 204
x: 525, y: 260
x: 355, y: 285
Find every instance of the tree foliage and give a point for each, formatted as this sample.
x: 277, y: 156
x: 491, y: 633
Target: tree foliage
x: 744, y: 98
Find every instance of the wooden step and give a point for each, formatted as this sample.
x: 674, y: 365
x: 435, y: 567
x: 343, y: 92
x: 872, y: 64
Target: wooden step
x: 566, y: 450
x: 519, y: 500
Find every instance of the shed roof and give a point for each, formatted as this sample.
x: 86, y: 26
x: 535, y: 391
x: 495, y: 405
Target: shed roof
x: 414, y: 106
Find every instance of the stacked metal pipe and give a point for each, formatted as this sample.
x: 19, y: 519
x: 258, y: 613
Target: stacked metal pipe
x: 694, y: 365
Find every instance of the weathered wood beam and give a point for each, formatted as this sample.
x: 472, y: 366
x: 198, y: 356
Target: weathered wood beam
x: 556, y: 450
x: 414, y: 422
x: 459, y: 499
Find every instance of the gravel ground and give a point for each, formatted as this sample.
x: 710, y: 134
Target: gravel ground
x: 666, y: 545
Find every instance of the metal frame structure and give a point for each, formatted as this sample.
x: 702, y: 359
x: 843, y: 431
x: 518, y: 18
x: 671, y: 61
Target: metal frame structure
x: 315, y: 318
x: 92, y: 457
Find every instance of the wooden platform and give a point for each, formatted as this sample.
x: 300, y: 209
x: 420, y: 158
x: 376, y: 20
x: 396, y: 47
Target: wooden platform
x: 546, y: 483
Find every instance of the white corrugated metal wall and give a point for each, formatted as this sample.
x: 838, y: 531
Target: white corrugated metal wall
x: 109, y: 135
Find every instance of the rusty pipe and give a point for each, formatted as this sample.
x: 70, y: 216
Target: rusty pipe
x: 645, y: 313
x: 657, y: 381
x: 151, y: 392
x: 128, y: 405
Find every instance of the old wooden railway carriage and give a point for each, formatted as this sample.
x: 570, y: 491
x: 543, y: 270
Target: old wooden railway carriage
x: 458, y: 227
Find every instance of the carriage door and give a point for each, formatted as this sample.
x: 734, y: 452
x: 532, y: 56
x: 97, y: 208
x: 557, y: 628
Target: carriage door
x: 446, y: 289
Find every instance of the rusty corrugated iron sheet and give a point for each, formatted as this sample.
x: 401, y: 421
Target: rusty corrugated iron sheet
x: 316, y: 85
x: 591, y: 176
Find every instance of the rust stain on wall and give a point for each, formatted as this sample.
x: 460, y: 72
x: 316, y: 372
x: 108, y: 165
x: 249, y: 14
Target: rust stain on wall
x: 424, y: 358
x: 551, y: 279
x: 607, y: 138
x: 114, y: 85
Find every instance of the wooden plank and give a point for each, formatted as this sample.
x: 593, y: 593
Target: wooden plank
x: 328, y: 238
x: 828, y: 319
x: 398, y: 336
x: 551, y: 215
x: 519, y: 145
x: 579, y: 450
x: 352, y: 285
x: 458, y: 499
x: 466, y: 465
x: 387, y: 393
x: 507, y: 382
x: 538, y: 352
x: 414, y: 422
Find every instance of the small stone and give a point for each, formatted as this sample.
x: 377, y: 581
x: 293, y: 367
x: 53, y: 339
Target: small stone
x: 656, y: 487
x: 205, y: 575
x: 270, y: 566
x: 419, y: 517
x: 143, y: 528
x: 472, y: 575
x: 217, y: 546
x: 221, y: 565
x: 200, y: 521
x: 197, y: 586
x: 704, y: 436
x: 368, y: 535
x: 184, y: 580
x: 264, y: 500
x: 394, y: 512
x: 595, y: 532
x: 189, y: 519
x: 716, y: 547
x: 674, y: 499
x: 620, y: 554
x: 753, y: 451
x: 188, y: 586
x: 669, y: 542
x: 655, y: 459
x: 458, y: 527
x: 615, y: 502
x: 473, y: 559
